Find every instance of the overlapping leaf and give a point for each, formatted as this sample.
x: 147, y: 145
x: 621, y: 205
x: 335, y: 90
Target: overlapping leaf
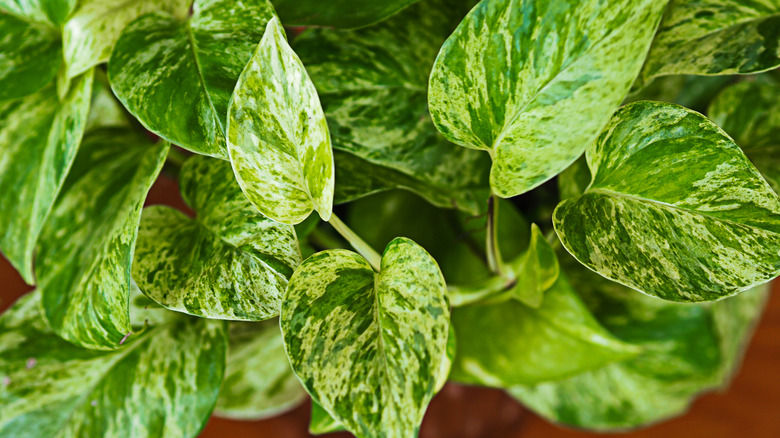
x: 368, y: 346
x: 278, y: 138
x: 230, y: 262
x: 373, y: 86
x: 533, y: 82
x: 715, y: 37
x: 164, y: 382
x: 86, y: 246
x: 176, y: 76
x: 337, y: 13
x: 39, y: 137
x: 674, y: 208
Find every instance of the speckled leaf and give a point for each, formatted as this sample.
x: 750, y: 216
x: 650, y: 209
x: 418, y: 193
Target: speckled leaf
x: 687, y: 349
x: 536, y: 270
x: 533, y: 82
x: 674, y: 209
x: 337, y: 13
x: 90, y: 34
x: 39, y: 136
x: 229, y: 262
x: 176, y: 76
x: 750, y: 113
x: 368, y: 346
x: 86, y: 247
x: 278, y: 137
x: 52, y: 12
x: 373, y: 88
x: 715, y: 37
x: 258, y: 380
x: 164, y: 382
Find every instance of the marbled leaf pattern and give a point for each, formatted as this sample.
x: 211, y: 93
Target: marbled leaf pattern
x: 176, y: 76
x: 674, y: 209
x: 337, y: 13
x: 163, y: 382
x: 368, y: 346
x: 278, y: 138
x: 39, y: 137
x: 86, y: 247
x: 533, y: 82
x: 229, y: 262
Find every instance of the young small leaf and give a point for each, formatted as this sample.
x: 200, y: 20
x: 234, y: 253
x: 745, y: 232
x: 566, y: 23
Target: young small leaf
x: 368, y: 346
x: 348, y: 14
x: 674, y: 209
x: 230, y: 262
x: 277, y: 135
x: 536, y: 270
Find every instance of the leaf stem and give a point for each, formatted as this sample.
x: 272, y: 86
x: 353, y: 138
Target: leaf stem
x: 491, y: 245
x: 373, y: 258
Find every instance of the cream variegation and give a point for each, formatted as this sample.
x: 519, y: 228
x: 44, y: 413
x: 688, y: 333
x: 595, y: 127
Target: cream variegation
x: 368, y: 346
x: 278, y: 138
x: 533, y: 82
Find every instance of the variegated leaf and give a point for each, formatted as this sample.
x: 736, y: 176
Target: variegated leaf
x: 92, y: 30
x: 715, y: 37
x: 750, y: 113
x: 52, y: 12
x: 176, y: 76
x: 277, y: 134
x: 337, y: 13
x: 86, y: 247
x: 163, y: 383
x: 533, y: 82
x: 373, y: 87
x: 39, y: 137
x: 258, y: 380
x: 368, y: 346
x: 687, y: 349
x: 674, y: 209
x: 229, y: 262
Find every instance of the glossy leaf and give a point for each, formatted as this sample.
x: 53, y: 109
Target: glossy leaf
x: 533, y: 82
x: 674, y: 209
x: 52, y: 12
x: 258, y: 380
x: 715, y: 37
x: 93, y: 29
x: 164, y: 382
x: 278, y: 137
x: 86, y: 247
x: 337, y: 13
x: 373, y: 87
x: 750, y: 113
x: 39, y: 137
x: 176, y: 76
x: 536, y: 270
x: 368, y: 346
x: 229, y: 262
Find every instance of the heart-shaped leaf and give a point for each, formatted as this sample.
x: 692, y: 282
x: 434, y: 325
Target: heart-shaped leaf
x: 337, y: 13
x: 368, y: 346
x: 278, y: 137
x: 176, y: 76
x: 533, y: 81
x: 674, y: 209
x: 39, y: 137
x: 230, y: 262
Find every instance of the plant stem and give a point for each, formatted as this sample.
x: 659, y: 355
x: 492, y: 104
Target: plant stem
x: 491, y: 244
x: 360, y: 246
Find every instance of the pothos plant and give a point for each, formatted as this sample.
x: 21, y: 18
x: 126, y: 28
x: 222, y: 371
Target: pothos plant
x: 599, y: 257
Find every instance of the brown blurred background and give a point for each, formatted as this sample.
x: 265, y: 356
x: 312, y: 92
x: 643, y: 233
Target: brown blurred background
x: 748, y: 408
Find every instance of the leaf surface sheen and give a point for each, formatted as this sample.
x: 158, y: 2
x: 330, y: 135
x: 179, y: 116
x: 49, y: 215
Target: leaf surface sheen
x: 348, y: 14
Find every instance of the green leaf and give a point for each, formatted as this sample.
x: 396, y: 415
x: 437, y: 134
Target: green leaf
x: 258, y: 380
x: 715, y: 37
x: 163, y: 383
x: 368, y: 346
x: 176, y: 76
x: 51, y: 12
x: 86, y: 247
x: 229, y: 262
x: 91, y: 32
x: 574, y: 180
x: 39, y: 136
x: 278, y: 137
x: 536, y: 270
x: 533, y: 82
x: 687, y: 349
x: 337, y: 13
x: 750, y: 113
x: 674, y: 209
x: 373, y: 87
x: 105, y: 110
